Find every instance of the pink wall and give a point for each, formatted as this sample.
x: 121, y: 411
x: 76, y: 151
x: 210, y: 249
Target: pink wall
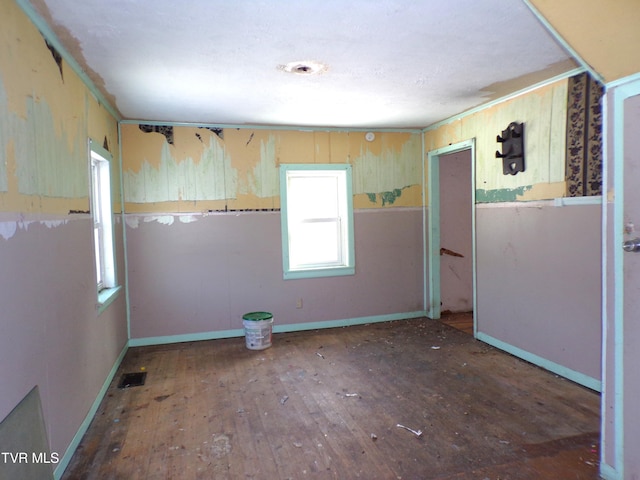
x: 202, y: 276
x: 51, y: 334
x: 539, y: 281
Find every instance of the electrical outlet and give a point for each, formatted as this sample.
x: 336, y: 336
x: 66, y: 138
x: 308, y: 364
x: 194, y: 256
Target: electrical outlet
x: 299, y: 303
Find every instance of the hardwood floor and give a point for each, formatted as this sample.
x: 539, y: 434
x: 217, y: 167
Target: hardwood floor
x: 326, y: 404
x: 459, y: 320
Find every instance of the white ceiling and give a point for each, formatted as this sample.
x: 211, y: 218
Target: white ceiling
x: 389, y: 63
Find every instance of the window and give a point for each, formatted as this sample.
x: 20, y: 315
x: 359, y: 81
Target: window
x: 317, y: 220
x: 102, y: 222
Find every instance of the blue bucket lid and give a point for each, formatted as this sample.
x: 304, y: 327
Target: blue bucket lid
x: 257, y: 316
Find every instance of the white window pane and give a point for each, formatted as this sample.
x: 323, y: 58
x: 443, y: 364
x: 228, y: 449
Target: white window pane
x: 313, y: 197
x: 315, y: 244
x: 102, y: 217
x: 317, y: 229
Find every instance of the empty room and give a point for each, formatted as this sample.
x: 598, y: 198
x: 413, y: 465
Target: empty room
x: 284, y: 240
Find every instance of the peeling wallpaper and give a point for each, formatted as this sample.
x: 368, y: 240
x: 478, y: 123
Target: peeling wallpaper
x: 55, y: 165
x: 543, y: 112
x: 46, y: 117
x: 210, y: 177
x: 237, y: 169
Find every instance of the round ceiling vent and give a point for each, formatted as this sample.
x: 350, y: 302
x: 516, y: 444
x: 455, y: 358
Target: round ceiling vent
x: 304, y: 68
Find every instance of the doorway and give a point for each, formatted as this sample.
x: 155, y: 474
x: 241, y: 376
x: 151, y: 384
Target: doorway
x: 451, y: 237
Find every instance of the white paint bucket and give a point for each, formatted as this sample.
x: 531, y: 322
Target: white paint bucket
x: 258, y: 327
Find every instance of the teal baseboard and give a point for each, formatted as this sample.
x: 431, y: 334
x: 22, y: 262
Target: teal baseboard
x: 577, y: 377
x: 187, y: 337
x: 609, y: 473
x: 294, y: 327
x: 66, y: 458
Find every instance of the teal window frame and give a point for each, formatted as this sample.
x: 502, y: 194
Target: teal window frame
x: 107, y: 288
x: 345, y: 265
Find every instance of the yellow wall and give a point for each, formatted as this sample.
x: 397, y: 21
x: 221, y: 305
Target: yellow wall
x: 238, y: 169
x: 605, y: 34
x: 46, y: 115
x: 543, y: 112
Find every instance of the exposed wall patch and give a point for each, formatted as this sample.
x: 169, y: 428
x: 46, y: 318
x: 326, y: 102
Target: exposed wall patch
x: 390, y: 197
x: 166, y: 130
x: 387, y: 198
x: 10, y: 228
x: 163, y: 219
x: 499, y: 195
x: 132, y: 221
x: 218, y: 131
x: 56, y: 56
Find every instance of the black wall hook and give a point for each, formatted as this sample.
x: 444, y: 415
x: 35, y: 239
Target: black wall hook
x: 512, y: 154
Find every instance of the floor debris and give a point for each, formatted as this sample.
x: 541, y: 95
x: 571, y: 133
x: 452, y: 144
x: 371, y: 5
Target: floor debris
x: 417, y: 433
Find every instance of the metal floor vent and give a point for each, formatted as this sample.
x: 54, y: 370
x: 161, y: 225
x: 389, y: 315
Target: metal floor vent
x: 132, y: 379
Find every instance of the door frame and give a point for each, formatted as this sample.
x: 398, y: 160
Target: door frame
x: 432, y: 168
x: 613, y: 291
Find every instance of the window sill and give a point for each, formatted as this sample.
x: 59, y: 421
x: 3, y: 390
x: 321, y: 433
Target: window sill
x: 319, y: 272
x: 106, y: 297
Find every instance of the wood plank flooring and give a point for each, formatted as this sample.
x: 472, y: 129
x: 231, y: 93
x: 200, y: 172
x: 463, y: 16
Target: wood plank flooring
x: 459, y: 320
x: 326, y: 404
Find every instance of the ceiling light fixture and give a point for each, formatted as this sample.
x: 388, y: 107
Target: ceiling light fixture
x: 304, y: 68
